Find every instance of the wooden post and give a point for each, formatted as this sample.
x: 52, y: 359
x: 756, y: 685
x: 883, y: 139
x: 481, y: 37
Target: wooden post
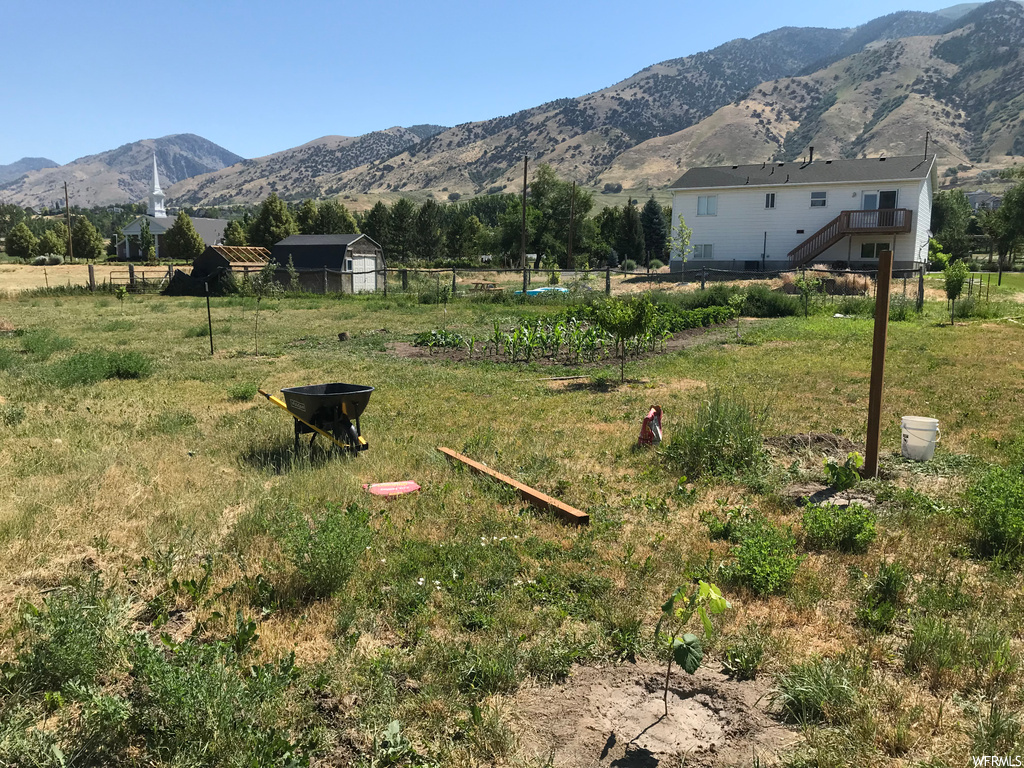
x: 703, y: 277
x: 453, y: 282
x: 572, y: 215
x: 131, y: 274
x: 209, y: 317
x: 170, y: 272
x: 92, y: 277
x: 878, y: 363
x: 405, y: 279
x: 385, y: 273
x: 523, y: 242
x: 67, y: 211
x: 325, y: 279
x: 608, y: 281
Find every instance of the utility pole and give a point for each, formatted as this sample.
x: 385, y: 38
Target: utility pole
x: 878, y: 364
x: 67, y: 213
x: 572, y: 215
x: 927, y: 136
x: 526, y: 160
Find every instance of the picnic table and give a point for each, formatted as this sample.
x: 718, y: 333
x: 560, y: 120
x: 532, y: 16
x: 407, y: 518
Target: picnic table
x: 485, y: 285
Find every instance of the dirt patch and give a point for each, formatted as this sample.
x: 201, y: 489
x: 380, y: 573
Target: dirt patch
x: 683, y: 340
x: 614, y: 716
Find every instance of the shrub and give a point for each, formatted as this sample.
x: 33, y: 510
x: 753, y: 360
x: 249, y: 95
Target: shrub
x: 657, y: 263
x: 995, y: 505
x: 765, y: 558
x: 53, y: 259
x: 763, y: 302
x: 629, y: 265
x: 127, y: 365
x: 816, y: 691
x: 38, y: 261
x: 723, y: 438
x: 245, y: 390
x: 326, y: 548
x: 883, y: 595
x: 847, y: 529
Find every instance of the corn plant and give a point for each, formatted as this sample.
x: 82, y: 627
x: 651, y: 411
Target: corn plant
x: 684, y: 647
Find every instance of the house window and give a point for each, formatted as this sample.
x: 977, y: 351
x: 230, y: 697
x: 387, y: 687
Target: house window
x: 707, y: 205
x: 769, y: 199
x: 871, y: 250
x: 348, y: 265
x: 818, y: 199
x: 703, y: 251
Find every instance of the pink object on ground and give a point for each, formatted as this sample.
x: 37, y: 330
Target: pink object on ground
x: 391, y: 489
x: 650, y: 430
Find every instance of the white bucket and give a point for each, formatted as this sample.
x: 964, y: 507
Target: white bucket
x: 920, y: 434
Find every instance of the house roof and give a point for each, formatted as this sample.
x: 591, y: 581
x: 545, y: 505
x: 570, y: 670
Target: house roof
x: 242, y: 254
x: 210, y: 230
x: 872, y: 169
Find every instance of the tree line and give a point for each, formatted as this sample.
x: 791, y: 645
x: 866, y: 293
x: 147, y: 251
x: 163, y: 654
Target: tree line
x: 460, y: 232
x: 960, y: 232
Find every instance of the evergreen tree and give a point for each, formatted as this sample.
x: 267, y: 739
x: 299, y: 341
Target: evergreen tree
x: 630, y: 240
x: 234, y: 233
x: 272, y: 224
x: 51, y: 241
x: 86, y: 241
x: 181, y: 241
x: 428, y: 236
x: 403, y: 215
x: 377, y: 226
x: 655, y: 230
x: 21, y: 243
x: 146, y: 245
x: 307, y: 218
x: 333, y: 218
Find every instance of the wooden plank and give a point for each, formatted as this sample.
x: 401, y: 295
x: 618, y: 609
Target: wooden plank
x: 532, y: 495
x: 878, y: 365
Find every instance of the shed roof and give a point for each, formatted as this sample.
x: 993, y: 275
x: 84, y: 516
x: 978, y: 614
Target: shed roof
x: 872, y: 169
x: 320, y: 239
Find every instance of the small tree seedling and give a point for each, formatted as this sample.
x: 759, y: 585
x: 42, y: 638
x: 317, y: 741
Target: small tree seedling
x: 686, y: 648
x: 954, y: 276
x: 736, y: 302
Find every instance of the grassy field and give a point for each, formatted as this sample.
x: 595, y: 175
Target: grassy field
x: 181, y: 588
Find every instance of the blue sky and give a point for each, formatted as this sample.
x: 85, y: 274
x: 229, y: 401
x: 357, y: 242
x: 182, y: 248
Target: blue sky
x: 257, y: 77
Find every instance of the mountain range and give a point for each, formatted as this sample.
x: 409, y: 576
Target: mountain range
x: 956, y: 75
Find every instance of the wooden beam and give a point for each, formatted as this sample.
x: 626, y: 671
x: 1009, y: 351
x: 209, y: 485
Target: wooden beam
x: 878, y: 363
x: 532, y: 495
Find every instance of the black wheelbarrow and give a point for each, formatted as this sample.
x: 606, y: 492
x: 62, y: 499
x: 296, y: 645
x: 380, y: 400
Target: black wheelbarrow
x: 330, y: 410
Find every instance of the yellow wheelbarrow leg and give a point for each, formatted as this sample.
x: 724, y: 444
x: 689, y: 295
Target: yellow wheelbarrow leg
x: 280, y: 404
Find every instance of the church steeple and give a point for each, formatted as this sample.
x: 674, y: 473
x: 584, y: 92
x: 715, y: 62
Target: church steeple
x: 156, y: 197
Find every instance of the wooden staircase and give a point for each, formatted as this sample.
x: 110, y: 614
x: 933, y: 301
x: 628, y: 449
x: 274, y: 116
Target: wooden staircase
x: 885, y: 221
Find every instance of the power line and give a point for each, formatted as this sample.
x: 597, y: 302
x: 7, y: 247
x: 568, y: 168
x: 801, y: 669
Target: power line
x: 954, y: 154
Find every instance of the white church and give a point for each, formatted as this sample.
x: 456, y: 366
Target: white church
x: 211, y: 230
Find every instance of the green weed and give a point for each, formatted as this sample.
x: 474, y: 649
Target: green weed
x: 883, y: 596
x: 325, y: 548
x: 996, y: 512
x: 43, y: 343
x: 764, y: 559
x: 245, y: 390
x: 725, y: 436
x: 11, y: 415
x: 846, y: 529
x: 744, y: 653
x: 936, y: 650
x: 816, y: 691
x: 84, y: 368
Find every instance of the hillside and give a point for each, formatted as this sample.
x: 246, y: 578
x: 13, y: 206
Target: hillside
x: 963, y: 87
x: 120, y: 175
x: 19, y: 168
x: 865, y: 90
x: 303, y: 171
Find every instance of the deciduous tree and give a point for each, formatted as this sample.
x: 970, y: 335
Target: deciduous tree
x: 52, y: 241
x: 306, y: 217
x: 333, y: 218
x: 234, y: 233
x: 951, y: 221
x: 86, y: 241
x: 21, y: 243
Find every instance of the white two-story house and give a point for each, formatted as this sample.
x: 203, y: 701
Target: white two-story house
x: 775, y: 216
